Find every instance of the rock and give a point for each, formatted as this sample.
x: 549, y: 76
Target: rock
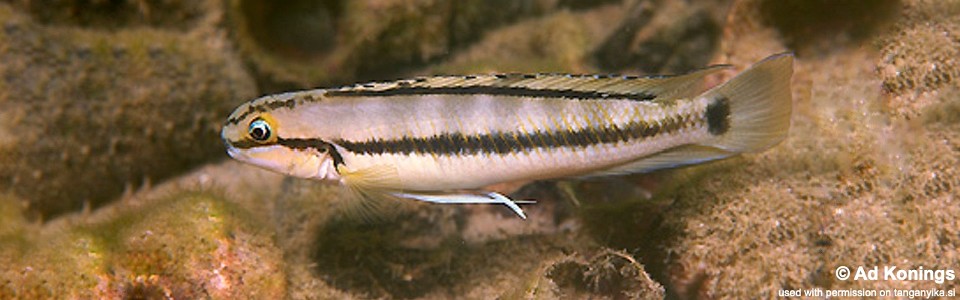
x: 186, y: 245
x: 865, y: 178
x: 300, y: 44
x: 855, y: 184
x: 663, y: 37
x: 919, y: 56
x: 605, y: 274
x: 86, y: 114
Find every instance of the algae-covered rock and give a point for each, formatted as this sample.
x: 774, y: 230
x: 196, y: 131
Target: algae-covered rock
x: 188, y: 245
x: 12, y: 221
x: 307, y: 43
x: 417, y: 249
x: 177, y: 15
x: 555, y: 42
x: 606, y: 274
x: 856, y: 183
x: 921, y: 55
x: 815, y: 27
x: 404, y: 249
x: 662, y: 37
x: 87, y: 114
x: 90, y: 105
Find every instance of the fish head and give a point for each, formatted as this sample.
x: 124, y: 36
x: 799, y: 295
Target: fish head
x: 257, y: 137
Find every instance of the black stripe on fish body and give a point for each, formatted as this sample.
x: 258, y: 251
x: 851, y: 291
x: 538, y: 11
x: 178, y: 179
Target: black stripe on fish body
x: 492, y: 90
x: 569, y: 86
x: 250, y: 110
x: 469, y: 142
x: 424, y: 146
x: 609, y: 133
x: 492, y: 142
x: 615, y: 133
x: 514, y: 142
x: 295, y: 143
x: 525, y: 141
x: 619, y: 133
x: 245, y: 144
x: 537, y: 139
x: 446, y: 144
x: 644, y: 130
x: 562, y: 137
x: 272, y: 104
x: 596, y: 135
x: 580, y: 137
x: 409, y: 144
x: 316, y: 144
x: 505, y: 143
x: 718, y: 116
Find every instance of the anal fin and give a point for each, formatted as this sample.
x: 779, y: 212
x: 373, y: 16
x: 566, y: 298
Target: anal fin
x: 373, y: 186
x: 671, y: 158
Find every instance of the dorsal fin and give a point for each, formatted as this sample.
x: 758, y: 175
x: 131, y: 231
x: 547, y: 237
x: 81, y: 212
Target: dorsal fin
x: 641, y: 88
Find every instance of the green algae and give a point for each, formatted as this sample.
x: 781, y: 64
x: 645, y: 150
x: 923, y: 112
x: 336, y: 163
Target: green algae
x: 920, y: 55
x: 366, y: 39
x: 554, y: 43
x: 177, y: 15
x: 100, y: 113
x: 12, y: 221
x: 856, y: 184
x: 663, y: 38
x: 606, y: 273
x: 185, y: 245
x: 816, y: 26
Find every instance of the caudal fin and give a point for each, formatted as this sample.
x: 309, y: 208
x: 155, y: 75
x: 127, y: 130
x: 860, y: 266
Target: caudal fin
x: 751, y: 112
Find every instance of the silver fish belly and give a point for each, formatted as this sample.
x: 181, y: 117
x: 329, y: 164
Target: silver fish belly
x: 423, y: 137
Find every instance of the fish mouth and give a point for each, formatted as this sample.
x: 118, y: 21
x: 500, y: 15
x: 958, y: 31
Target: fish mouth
x: 231, y: 150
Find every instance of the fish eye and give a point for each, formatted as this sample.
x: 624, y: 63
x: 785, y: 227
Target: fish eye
x: 259, y: 130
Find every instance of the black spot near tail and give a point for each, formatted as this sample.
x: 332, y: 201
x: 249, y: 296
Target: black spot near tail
x: 718, y: 116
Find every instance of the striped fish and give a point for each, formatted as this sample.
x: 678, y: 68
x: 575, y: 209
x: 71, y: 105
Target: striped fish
x: 428, y: 138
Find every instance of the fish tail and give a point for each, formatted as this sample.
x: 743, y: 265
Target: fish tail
x: 751, y: 112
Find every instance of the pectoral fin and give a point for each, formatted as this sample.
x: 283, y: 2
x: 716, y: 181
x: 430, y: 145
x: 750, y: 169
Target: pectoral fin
x: 371, y: 189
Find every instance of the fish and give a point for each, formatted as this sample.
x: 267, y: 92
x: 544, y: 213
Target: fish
x: 444, y: 138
